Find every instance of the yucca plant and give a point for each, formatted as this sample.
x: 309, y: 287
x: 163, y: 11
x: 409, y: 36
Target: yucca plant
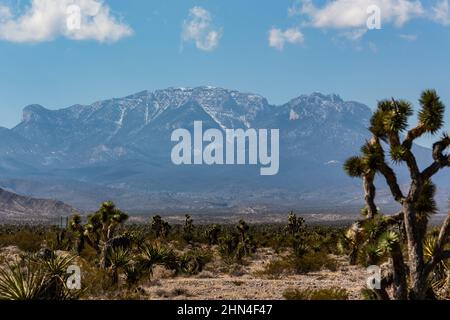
x: 440, y: 278
x: 118, y: 258
x: 150, y: 256
x: 23, y: 281
x: 56, y: 269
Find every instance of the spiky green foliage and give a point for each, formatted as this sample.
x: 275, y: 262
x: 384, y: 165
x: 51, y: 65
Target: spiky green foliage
x: 398, y: 153
x: 36, y: 278
x: 22, y: 282
x: 432, y: 111
x: 391, y: 117
x: 118, y: 258
x: 426, y: 203
x: 387, y: 242
x: 193, y: 262
x: 373, y: 156
x: 152, y: 255
x: 355, y: 167
x: 396, y: 119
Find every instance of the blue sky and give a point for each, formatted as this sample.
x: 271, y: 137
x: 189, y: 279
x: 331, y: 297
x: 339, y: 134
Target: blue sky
x: 279, y: 49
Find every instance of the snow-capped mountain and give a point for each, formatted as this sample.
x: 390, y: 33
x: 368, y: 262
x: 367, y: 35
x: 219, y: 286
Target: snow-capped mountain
x: 120, y: 149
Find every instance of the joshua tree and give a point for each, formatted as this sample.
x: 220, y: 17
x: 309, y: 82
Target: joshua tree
x: 389, y: 131
x: 245, y: 246
x: 295, y: 224
x: 188, y: 229
x: 156, y: 225
x: 102, y: 227
x: 77, y: 228
x: 243, y: 228
x: 212, y: 234
x: 160, y: 227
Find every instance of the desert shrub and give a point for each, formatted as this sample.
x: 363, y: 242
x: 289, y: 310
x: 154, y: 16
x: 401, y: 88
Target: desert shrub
x: 318, y: 294
x: 24, y: 238
x: 193, y: 262
x: 276, y: 268
x: 313, y: 261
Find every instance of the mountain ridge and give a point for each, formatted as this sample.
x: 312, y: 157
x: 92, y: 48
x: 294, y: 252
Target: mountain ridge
x: 123, y: 145
x: 17, y: 208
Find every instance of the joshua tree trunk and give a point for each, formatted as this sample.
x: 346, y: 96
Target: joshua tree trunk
x: 415, y: 252
x: 369, y: 194
x: 399, y: 275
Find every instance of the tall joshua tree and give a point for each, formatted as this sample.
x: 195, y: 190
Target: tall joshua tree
x: 389, y: 129
x: 188, y: 229
x: 102, y: 227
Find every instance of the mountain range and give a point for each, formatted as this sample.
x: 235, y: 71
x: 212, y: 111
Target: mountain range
x: 16, y: 208
x: 119, y: 149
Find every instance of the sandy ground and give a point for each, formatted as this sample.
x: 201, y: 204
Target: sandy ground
x: 248, y: 284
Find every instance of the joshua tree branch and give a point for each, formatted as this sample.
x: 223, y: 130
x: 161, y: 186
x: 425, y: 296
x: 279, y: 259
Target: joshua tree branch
x: 410, y: 159
x: 412, y: 135
x: 441, y: 160
x: 391, y: 180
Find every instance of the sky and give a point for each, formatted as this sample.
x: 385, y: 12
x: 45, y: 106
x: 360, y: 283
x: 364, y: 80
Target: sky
x: 59, y: 53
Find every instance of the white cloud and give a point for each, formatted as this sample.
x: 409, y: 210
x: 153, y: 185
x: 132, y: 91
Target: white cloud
x: 278, y: 38
x: 199, y: 28
x: 441, y: 12
x: 353, y: 17
x: 5, y: 13
x: 344, y: 14
x: 45, y: 20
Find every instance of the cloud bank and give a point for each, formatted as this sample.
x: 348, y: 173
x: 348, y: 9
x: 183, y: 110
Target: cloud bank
x: 46, y: 20
x: 350, y: 17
